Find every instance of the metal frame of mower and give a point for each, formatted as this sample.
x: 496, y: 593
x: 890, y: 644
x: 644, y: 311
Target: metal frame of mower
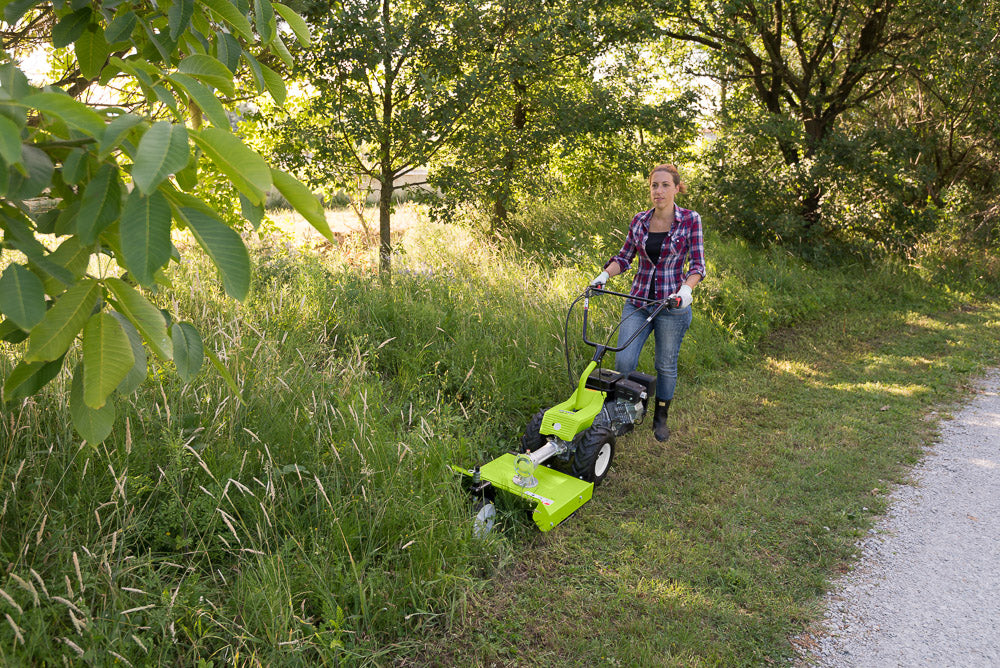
x: 583, y: 429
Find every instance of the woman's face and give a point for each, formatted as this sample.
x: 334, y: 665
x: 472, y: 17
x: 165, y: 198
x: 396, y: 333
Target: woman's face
x: 662, y: 189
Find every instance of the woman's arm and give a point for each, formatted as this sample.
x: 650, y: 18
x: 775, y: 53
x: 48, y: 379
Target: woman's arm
x: 621, y: 262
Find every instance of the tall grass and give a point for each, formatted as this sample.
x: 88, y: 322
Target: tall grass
x: 311, y: 517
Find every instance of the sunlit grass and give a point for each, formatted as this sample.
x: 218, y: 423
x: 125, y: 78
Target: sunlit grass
x: 876, y: 388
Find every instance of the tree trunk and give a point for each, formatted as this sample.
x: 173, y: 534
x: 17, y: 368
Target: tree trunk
x: 810, y: 192
x: 519, y: 121
x: 811, y: 196
x: 384, y: 229
x: 386, y: 175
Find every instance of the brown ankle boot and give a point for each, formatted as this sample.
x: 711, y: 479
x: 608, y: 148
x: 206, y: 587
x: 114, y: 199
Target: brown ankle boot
x: 660, y: 429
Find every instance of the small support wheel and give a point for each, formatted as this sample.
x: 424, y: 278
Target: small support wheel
x: 484, y: 519
x: 594, y: 455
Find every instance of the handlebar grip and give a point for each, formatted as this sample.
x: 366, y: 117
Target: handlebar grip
x: 674, y: 302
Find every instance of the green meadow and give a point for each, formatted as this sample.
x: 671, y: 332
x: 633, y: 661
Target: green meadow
x: 295, y: 505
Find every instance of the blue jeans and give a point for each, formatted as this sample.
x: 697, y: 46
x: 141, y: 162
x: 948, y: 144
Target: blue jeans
x: 668, y: 329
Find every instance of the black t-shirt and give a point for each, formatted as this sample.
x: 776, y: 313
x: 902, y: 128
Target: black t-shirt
x: 654, y: 242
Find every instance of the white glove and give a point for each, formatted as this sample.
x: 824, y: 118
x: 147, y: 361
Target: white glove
x: 601, y: 279
x: 684, y: 292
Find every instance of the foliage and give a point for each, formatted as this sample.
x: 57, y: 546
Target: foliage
x: 581, y: 98
x: 92, y: 192
x: 797, y: 83
x: 891, y: 187
x: 944, y: 111
x: 388, y: 85
x: 306, y: 520
x: 874, y: 206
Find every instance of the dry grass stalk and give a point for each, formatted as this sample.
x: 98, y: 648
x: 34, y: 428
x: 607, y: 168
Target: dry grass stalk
x: 201, y: 461
x: 16, y: 628
x: 69, y: 604
x: 119, y: 484
x: 323, y: 492
x: 73, y: 646
x: 26, y: 586
x: 226, y: 519
x: 120, y: 658
x: 41, y: 582
x: 266, y: 516
x: 238, y: 485
x: 76, y: 567
x: 7, y: 597
x: 403, y: 449
x: 253, y: 551
x: 78, y: 624
x: 41, y: 530
x: 140, y: 643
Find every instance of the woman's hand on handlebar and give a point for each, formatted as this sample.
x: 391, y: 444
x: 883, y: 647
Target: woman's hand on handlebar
x: 684, y: 294
x: 600, y: 280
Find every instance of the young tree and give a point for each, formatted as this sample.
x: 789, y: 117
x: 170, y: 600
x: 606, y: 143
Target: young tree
x: 390, y: 83
x: 592, y: 118
x: 110, y: 182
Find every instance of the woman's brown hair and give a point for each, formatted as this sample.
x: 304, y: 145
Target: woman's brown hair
x: 672, y: 170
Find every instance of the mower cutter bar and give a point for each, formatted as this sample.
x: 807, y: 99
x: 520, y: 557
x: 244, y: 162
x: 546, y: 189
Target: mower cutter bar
x: 556, y: 496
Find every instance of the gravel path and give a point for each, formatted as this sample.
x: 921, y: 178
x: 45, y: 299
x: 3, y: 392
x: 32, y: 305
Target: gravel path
x: 926, y: 591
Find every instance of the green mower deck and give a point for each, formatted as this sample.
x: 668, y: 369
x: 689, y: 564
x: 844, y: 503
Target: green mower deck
x: 556, y: 496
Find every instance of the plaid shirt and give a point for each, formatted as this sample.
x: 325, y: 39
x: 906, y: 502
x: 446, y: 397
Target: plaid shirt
x: 684, y: 240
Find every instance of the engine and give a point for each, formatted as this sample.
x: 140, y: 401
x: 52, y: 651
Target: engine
x: 626, y: 401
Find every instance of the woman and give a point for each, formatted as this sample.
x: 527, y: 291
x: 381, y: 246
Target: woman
x: 663, y: 238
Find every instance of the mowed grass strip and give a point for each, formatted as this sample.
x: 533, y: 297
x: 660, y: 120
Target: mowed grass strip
x: 714, y: 548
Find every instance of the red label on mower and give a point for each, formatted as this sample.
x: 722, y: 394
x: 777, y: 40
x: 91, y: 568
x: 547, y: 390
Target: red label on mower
x: 545, y: 502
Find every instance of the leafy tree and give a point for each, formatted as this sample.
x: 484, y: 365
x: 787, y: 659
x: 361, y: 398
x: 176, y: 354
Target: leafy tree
x: 91, y: 193
x: 909, y: 152
x: 389, y: 84
x: 577, y: 97
x: 945, y: 106
x: 804, y: 63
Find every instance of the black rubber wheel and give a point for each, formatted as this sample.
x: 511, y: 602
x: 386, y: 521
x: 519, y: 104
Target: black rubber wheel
x: 594, y: 454
x: 532, y: 439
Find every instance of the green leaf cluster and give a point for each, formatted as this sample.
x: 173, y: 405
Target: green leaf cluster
x: 91, y: 195
x: 853, y: 129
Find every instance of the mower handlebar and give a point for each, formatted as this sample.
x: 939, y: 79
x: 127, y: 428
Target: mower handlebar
x: 668, y: 303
